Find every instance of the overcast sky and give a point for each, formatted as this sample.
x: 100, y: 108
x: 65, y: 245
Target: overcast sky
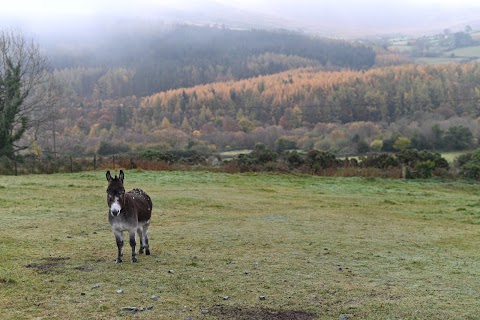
x: 87, y: 7
x: 325, y: 17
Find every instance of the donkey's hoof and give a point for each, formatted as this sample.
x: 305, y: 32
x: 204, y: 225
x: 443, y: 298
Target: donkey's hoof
x: 141, y: 251
x: 118, y: 260
x: 134, y: 259
x: 147, y: 252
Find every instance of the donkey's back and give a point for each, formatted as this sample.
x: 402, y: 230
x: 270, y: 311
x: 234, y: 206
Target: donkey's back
x: 139, y: 201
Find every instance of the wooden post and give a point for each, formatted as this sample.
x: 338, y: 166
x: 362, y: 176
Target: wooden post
x: 16, y: 171
x: 94, y: 162
x: 71, y: 165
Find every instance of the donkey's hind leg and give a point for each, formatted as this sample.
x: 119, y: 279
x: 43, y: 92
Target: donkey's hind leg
x: 143, y: 234
x: 142, y: 240
x: 132, y: 244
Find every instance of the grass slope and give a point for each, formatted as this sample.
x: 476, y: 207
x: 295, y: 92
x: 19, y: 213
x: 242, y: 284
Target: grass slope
x: 245, y: 246
x: 473, y: 51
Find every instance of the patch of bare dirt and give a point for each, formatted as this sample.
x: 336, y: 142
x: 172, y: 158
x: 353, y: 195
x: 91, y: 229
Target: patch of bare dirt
x: 222, y: 312
x: 48, y: 265
x: 84, y: 268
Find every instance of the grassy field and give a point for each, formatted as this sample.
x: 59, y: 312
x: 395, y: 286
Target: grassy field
x: 473, y: 51
x: 439, y: 60
x: 244, y: 246
x: 453, y: 155
x: 228, y: 155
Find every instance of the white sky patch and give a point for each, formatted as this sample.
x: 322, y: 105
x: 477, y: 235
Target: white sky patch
x: 89, y: 7
x: 50, y: 7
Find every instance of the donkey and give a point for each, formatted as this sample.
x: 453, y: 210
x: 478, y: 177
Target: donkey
x: 130, y: 212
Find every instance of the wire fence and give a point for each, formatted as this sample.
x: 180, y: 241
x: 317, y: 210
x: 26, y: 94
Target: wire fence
x: 61, y: 164
x: 373, y: 166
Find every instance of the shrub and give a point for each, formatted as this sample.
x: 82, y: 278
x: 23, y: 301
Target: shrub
x: 154, y: 155
x: 462, y: 159
x: 411, y: 157
x: 425, y: 169
x: 381, y: 161
x: 106, y: 148
x: 471, y: 169
x: 294, y: 159
x: 260, y: 155
x: 318, y: 160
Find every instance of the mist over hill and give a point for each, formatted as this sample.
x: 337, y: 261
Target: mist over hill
x: 372, y: 18
x: 342, y: 18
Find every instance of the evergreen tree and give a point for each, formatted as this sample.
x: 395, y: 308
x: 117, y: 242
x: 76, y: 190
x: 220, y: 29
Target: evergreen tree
x: 12, y: 123
x: 28, y: 93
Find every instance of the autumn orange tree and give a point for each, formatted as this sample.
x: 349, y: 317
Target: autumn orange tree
x: 305, y: 97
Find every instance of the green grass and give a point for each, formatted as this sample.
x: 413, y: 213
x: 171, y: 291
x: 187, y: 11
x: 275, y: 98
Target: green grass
x: 228, y: 155
x: 459, y: 56
x: 453, y: 155
x: 439, y: 60
x: 473, y: 51
x: 329, y: 247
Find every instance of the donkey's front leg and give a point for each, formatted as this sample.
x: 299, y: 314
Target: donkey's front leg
x: 132, y: 244
x: 119, y: 239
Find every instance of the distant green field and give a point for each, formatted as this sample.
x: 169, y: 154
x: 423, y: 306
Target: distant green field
x: 440, y: 60
x: 232, y: 154
x: 453, y: 56
x: 452, y: 156
x: 466, y: 52
x: 242, y: 246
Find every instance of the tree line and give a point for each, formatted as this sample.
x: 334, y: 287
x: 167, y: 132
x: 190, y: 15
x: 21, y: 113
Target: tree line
x: 346, y: 112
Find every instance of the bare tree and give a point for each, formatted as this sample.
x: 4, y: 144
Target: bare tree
x: 28, y: 93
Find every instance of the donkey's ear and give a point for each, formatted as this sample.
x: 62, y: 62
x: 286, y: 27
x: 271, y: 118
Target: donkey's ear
x: 109, y: 177
x: 121, y: 176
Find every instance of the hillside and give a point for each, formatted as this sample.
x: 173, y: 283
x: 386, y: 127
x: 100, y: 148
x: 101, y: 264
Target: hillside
x: 446, y: 47
x: 312, y: 108
x: 209, y: 88
x: 304, y: 97
x: 144, y: 59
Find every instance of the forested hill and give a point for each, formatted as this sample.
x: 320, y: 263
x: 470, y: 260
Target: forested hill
x: 303, y: 98
x: 142, y: 61
x: 312, y: 107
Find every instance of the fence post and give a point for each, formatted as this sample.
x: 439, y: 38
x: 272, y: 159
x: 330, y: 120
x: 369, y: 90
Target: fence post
x: 94, y: 162
x: 16, y: 171
x: 71, y: 165
x: 113, y: 157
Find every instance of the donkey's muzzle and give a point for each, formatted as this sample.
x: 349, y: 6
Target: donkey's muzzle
x: 114, y: 212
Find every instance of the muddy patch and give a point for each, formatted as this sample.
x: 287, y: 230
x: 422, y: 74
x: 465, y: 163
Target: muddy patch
x: 49, y: 265
x: 84, y: 268
x: 222, y: 312
x: 5, y: 281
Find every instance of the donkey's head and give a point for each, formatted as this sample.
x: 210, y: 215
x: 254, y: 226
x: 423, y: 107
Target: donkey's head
x: 115, y: 193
